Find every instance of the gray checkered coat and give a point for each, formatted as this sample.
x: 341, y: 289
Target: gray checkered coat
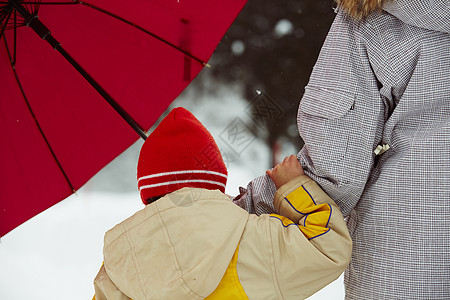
x: 383, y: 85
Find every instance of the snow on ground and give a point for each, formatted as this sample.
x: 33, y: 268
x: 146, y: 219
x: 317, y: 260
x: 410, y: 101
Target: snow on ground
x: 58, y: 253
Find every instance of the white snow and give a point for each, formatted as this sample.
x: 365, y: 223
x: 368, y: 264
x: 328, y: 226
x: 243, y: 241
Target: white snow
x: 283, y: 27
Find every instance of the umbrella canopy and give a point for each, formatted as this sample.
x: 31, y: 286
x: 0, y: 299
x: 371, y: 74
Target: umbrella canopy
x: 57, y: 130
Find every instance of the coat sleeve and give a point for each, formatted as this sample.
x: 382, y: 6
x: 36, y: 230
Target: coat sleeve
x: 297, y: 251
x: 343, y: 111
x: 341, y: 118
x: 257, y: 198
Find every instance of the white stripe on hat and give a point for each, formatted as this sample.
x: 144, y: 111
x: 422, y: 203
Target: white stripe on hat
x: 180, y: 181
x: 182, y: 172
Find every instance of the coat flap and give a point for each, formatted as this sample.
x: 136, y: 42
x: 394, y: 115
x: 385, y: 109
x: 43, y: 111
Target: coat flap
x: 326, y: 103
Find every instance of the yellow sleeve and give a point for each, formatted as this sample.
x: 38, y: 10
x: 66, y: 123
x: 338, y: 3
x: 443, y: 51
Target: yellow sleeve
x: 320, y: 251
x: 300, y: 209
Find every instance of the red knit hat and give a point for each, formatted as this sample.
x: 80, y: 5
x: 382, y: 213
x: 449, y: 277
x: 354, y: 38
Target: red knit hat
x: 179, y: 153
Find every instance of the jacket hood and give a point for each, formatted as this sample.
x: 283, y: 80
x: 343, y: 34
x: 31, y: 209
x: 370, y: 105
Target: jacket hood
x: 178, y: 247
x: 427, y: 14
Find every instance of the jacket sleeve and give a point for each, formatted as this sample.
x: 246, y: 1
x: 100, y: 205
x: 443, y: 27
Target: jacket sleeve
x: 343, y: 111
x: 105, y: 289
x: 341, y: 119
x: 309, y: 239
x: 297, y: 251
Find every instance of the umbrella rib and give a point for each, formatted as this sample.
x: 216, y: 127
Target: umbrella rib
x: 45, y: 3
x: 33, y: 22
x: 123, y: 20
x: 36, y: 121
x: 15, y: 38
x: 143, y: 30
x: 114, y: 104
x: 6, y: 23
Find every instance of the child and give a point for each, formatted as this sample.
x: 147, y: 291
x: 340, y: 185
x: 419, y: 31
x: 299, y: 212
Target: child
x: 192, y: 242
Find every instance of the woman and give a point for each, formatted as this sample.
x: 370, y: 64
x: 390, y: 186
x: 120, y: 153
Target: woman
x: 375, y: 119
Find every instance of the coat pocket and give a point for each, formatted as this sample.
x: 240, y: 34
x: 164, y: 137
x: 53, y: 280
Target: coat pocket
x: 324, y: 123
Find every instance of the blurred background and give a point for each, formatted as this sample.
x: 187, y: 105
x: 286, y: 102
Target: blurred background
x: 248, y: 99
x: 272, y: 46
x: 254, y: 85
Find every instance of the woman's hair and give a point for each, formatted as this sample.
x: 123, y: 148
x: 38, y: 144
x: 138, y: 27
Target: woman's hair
x: 360, y: 9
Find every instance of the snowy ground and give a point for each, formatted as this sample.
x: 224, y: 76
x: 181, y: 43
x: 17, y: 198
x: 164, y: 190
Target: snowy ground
x: 58, y: 253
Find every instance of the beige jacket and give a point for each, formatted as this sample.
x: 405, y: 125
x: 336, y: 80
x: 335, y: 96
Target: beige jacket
x: 196, y: 244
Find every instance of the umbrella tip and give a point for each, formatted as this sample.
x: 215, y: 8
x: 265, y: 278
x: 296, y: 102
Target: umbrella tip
x: 207, y: 65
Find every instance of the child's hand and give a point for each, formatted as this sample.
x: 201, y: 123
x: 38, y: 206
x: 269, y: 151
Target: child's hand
x: 286, y: 171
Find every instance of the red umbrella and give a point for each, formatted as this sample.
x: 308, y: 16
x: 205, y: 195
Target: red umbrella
x: 56, y: 130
